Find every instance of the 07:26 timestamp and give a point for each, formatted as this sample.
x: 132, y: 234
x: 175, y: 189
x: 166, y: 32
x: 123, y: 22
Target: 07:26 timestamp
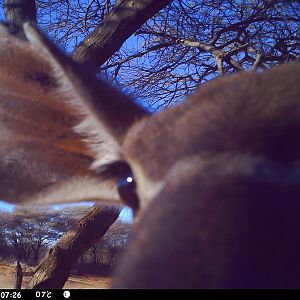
x: 10, y: 295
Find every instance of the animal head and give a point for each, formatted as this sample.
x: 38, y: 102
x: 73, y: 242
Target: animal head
x: 216, y: 179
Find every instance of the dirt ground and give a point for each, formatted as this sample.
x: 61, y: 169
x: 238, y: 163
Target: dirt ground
x: 7, y: 278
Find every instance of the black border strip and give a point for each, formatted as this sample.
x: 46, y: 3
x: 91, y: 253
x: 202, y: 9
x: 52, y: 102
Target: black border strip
x: 107, y: 294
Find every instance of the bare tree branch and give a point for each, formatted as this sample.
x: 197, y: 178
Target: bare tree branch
x: 124, y: 19
x: 54, y: 270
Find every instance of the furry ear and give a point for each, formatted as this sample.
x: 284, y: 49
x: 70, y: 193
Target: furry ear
x: 107, y: 113
x: 44, y: 95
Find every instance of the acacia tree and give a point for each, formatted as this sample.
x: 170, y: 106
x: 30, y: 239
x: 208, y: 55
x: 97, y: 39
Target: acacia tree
x: 114, y: 241
x: 54, y: 270
x: 3, y: 238
x: 28, y: 231
x: 195, y: 41
x: 182, y: 46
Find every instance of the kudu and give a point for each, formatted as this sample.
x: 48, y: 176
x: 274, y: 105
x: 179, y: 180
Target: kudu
x: 215, y: 180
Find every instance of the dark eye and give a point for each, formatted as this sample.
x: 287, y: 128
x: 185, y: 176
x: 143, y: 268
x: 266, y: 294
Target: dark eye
x: 121, y: 172
x: 126, y: 187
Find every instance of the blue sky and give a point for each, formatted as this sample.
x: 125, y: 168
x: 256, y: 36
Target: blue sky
x: 126, y: 214
x: 4, y: 206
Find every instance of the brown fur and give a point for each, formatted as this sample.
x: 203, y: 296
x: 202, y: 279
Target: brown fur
x: 39, y: 148
x: 251, y: 113
x: 227, y: 215
x: 218, y: 177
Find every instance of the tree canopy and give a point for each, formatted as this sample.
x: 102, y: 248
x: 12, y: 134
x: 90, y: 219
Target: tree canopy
x: 182, y: 46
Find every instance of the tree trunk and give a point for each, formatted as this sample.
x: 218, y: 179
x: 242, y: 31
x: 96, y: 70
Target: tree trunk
x: 18, y: 275
x: 94, y: 252
x: 125, y: 18
x: 36, y: 254
x: 54, y: 270
x: 18, y: 12
x: 36, y: 250
x: 82, y: 259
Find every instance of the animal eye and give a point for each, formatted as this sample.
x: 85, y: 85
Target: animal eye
x: 127, y: 190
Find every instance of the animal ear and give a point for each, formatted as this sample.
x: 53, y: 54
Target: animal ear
x: 107, y: 113
x: 44, y: 95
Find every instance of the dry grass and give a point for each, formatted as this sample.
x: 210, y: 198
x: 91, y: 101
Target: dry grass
x: 7, y: 277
